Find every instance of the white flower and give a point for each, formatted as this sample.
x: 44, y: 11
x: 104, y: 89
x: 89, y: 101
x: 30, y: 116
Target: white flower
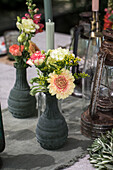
x: 27, y: 26
x: 59, y: 53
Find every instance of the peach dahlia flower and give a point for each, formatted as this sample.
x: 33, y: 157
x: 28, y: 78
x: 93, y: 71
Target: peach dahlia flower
x: 62, y: 85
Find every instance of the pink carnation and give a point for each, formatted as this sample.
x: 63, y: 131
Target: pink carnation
x: 36, y: 59
x: 16, y: 50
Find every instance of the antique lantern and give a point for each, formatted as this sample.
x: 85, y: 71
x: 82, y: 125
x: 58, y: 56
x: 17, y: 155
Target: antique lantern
x: 98, y: 118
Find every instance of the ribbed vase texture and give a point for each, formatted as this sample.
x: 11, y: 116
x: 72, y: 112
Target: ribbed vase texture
x: 20, y: 103
x: 52, y: 130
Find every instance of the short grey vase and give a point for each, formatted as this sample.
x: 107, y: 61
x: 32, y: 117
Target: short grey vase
x: 52, y: 130
x: 20, y: 103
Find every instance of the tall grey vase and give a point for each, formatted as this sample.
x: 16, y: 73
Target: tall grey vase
x: 20, y: 103
x: 52, y: 130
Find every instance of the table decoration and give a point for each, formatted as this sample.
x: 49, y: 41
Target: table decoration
x: 98, y: 117
x: 49, y: 35
x: 20, y: 103
x: 57, y: 82
x: 95, y: 5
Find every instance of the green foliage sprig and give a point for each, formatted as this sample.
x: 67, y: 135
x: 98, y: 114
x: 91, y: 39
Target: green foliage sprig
x: 101, y: 152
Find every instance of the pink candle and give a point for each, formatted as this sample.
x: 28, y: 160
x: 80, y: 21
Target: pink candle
x: 95, y: 5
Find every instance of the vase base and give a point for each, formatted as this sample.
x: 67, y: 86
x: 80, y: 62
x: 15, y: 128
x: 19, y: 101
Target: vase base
x: 52, y: 145
x: 52, y: 130
x: 51, y: 148
x: 23, y: 116
x: 51, y: 136
x: 93, y: 128
x: 23, y: 106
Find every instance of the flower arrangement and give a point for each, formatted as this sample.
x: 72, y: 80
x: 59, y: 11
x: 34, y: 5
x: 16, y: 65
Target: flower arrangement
x: 28, y: 26
x: 53, y: 70
x: 108, y: 17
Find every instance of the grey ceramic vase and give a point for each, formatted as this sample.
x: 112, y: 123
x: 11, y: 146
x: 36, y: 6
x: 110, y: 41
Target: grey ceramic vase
x: 2, y: 138
x: 20, y: 103
x: 52, y: 130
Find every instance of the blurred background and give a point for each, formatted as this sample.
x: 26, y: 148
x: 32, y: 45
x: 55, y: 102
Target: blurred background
x: 66, y: 13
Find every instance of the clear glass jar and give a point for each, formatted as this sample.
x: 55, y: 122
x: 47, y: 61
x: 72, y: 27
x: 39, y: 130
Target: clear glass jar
x: 90, y: 67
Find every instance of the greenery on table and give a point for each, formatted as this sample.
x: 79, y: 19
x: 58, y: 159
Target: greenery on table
x: 101, y: 152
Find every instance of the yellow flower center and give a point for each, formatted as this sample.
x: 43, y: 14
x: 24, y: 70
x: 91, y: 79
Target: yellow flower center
x: 61, y: 82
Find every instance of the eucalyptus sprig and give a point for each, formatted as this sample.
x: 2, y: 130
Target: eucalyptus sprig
x: 101, y: 152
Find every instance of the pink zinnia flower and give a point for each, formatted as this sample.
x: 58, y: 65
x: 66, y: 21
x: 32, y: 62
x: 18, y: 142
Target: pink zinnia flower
x: 36, y: 59
x: 16, y: 50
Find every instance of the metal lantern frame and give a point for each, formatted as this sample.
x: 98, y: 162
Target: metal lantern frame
x: 95, y: 121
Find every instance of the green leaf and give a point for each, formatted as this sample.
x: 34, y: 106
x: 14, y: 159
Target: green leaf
x: 101, y: 167
x: 93, y: 161
x: 109, y: 167
x: 104, y: 162
x: 107, y: 157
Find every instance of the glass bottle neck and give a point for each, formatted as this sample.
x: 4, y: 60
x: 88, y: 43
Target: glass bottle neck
x: 95, y: 24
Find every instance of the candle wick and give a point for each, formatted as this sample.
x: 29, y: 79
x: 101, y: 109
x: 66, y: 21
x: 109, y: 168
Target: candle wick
x: 49, y: 20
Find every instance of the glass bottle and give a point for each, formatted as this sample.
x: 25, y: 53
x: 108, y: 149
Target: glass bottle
x: 79, y: 48
x: 90, y: 63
